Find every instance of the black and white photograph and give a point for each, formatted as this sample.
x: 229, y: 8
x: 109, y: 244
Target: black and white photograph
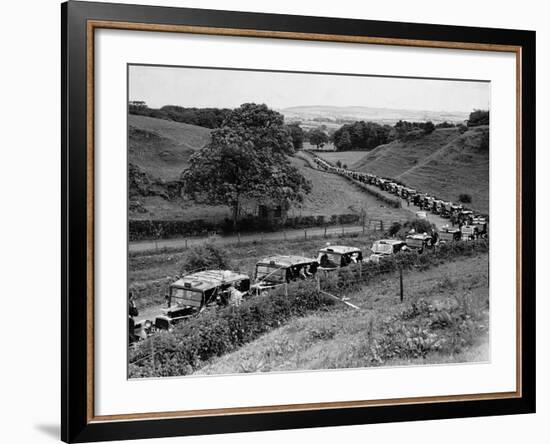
x: 293, y: 221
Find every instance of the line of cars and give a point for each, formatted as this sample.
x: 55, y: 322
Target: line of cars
x: 198, y: 291
x: 465, y: 224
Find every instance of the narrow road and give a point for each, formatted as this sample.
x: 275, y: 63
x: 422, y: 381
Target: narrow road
x: 140, y: 246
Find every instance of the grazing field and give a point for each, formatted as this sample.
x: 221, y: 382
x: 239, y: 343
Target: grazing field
x: 444, y: 163
x: 444, y: 319
x: 346, y: 157
x: 333, y: 194
x: 162, y: 147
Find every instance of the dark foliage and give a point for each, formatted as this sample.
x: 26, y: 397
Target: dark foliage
x: 205, y: 256
x: 360, y: 136
x: 147, y: 229
x: 205, y: 117
x: 478, y: 117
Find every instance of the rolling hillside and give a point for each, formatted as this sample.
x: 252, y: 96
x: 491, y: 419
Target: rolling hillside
x: 161, y: 147
x: 444, y: 163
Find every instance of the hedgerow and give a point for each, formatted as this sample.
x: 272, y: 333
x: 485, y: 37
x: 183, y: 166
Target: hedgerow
x: 220, y: 331
x: 165, y: 229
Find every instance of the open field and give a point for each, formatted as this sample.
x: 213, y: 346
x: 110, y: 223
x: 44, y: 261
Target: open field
x: 378, y: 333
x: 162, y: 147
x: 444, y: 163
x: 346, y: 157
x: 333, y: 194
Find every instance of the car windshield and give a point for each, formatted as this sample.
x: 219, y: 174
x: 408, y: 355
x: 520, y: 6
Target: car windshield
x: 415, y: 242
x: 186, y: 297
x: 327, y: 259
x: 270, y: 273
x: 379, y: 248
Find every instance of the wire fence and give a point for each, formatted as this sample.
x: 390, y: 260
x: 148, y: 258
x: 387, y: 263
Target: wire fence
x: 364, y: 226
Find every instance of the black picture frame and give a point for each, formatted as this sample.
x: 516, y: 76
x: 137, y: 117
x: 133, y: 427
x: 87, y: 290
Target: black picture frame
x: 76, y: 423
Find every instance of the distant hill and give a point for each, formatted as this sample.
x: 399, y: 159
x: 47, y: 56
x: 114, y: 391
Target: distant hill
x: 162, y: 148
x: 444, y: 163
x: 340, y: 114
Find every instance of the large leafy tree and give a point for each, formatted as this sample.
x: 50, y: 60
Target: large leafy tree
x: 262, y: 126
x: 318, y: 137
x: 297, y: 135
x: 246, y: 159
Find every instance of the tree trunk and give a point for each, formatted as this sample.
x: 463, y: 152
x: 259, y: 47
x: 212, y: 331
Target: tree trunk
x: 235, y: 215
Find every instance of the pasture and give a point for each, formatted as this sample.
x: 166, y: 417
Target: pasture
x: 346, y: 157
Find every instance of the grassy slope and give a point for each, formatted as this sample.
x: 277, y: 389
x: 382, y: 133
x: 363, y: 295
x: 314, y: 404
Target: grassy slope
x: 339, y: 338
x: 162, y: 147
x: 332, y: 194
x: 443, y: 163
x: 346, y: 157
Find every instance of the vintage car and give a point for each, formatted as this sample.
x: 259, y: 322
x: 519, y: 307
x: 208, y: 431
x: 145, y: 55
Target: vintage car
x: 468, y: 232
x: 332, y: 257
x: 421, y: 215
x: 274, y: 271
x: 407, y: 193
x: 438, y: 206
x: 449, y: 234
x: 465, y: 217
x: 419, y: 241
x: 481, y: 223
x: 384, y: 248
x: 191, y: 294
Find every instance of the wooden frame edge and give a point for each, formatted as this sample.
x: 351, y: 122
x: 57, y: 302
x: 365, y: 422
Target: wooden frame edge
x: 105, y: 24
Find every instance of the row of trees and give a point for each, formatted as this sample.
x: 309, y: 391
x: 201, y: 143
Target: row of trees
x: 366, y: 136
x: 206, y: 117
x: 247, y: 158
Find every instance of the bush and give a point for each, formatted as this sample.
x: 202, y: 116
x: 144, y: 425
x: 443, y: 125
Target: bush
x: 205, y: 256
x: 464, y: 198
x: 478, y: 117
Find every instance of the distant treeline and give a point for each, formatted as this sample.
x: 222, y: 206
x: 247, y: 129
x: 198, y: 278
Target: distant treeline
x: 205, y: 117
x: 368, y: 135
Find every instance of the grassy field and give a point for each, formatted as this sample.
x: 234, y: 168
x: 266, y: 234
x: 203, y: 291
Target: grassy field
x: 444, y: 319
x: 162, y: 147
x: 346, y: 157
x: 444, y: 163
x: 332, y: 194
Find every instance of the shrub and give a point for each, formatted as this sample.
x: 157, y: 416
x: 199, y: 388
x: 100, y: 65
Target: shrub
x: 464, y: 198
x: 204, y: 256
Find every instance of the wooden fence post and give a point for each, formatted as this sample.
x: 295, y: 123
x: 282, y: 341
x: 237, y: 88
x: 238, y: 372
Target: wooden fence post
x: 401, y: 284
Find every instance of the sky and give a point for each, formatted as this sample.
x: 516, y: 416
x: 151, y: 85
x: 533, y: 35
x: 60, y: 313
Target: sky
x: 207, y: 87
